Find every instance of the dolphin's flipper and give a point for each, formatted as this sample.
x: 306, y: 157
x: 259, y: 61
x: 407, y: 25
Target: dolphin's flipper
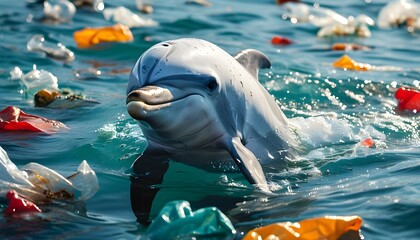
x: 248, y: 164
x: 252, y: 60
x: 149, y: 170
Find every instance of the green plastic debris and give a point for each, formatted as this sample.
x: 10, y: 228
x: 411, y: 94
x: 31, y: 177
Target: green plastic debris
x: 176, y: 220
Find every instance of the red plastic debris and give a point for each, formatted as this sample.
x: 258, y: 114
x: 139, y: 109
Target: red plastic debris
x: 408, y: 99
x: 19, y: 205
x: 279, y: 40
x: 368, y: 142
x: 14, y: 119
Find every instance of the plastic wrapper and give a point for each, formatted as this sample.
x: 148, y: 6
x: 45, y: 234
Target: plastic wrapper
x: 89, y: 37
x: 347, y: 63
x: 39, y: 183
x: 63, y: 99
x: 330, y: 228
x: 126, y: 17
x: 349, y: 47
x: 18, y: 205
x: 87, y: 73
x: 176, y: 220
x: 35, y: 80
x: 397, y: 13
x: 59, y: 10
x: 144, y: 7
x: 14, y: 119
x: 329, y: 22
x: 318, y: 16
x: 408, y: 99
x: 59, y: 51
x: 280, y: 40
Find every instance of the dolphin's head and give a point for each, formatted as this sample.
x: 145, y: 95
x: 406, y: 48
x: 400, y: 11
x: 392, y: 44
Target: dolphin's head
x: 172, y: 92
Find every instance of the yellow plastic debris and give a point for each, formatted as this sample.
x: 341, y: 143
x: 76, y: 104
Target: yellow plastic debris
x: 347, y: 63
x: 330, y: 227
x: 91, y: 36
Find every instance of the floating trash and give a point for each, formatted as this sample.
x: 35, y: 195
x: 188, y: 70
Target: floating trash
x: 280, y: 40
x: 18, y: 205
x: 89, y: 37
x: 349, y: 47
x: 39, y: 184
x: 35, y: 80
x: 176, y: 220
x: 59, y: 52
x: 59, y: 10
x: 14, y: 119
x: 126, y: 17
x: 329, y: 22
x: 143, y: 7
x: 408, y: 99
x: 399, y: 12
x: 87, y: 73
x: 347, y: 63
x: 330, y: 227
x: 97, y: 5
x: 63, y: 99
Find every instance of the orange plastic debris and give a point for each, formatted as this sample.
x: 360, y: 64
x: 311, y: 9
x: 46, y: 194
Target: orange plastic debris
x: 347, y: 63
x: 91, y: 36
x: 408, y: 99
x: 368, y: 142
x: 316, y: 228
x: 349, y: 47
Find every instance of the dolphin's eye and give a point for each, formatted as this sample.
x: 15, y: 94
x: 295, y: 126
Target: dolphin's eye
x: 212, y: 84
x: 165, y: 44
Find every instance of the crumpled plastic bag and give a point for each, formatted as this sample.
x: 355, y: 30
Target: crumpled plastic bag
x: 14, y: 119
x: 176, y: 220
x: 35, y: 80
x: 59, y: 52
x: 89, y: 37
x: 399, y: 12
x: 408, y: 99
x: 39, y: 183
x: 126, y: 17
x: 330, y: 228
x: 59, y: 10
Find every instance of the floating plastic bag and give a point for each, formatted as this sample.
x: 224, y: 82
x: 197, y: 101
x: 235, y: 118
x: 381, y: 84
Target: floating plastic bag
x: 59, y: 52
x: 347, y: 63
x: 408, y: 99
x: 97, y: 5
x: 35, y: 80
x: 397, y: 13
x: 63, y: 99
x: 318, y: 16
x: 89, y: 37
x: 330, y: 228
x: 14, y: 119
x: 59, y: 10
x: 39, y: 183
x: 176, y: 220
x: 126, y: 17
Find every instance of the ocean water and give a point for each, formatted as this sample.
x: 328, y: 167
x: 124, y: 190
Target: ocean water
x: 331, y: 109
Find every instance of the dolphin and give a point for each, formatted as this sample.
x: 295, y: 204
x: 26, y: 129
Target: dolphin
x: 191, y: 98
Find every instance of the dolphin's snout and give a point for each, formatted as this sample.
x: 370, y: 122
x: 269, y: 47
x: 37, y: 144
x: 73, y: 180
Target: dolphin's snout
x: 151, y: 95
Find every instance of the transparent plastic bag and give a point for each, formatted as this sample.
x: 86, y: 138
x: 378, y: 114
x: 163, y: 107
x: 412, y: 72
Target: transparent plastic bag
x: 37, y: 182
x: 59, y: 10
x: 59, y: 52
x: 126, y: 17
x: 36, y: 80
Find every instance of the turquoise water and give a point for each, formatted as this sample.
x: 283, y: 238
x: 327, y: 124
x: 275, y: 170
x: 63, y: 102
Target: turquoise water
x: 333, y: 177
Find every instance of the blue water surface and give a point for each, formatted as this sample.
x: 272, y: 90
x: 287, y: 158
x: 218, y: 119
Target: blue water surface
x: 333, y: 177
